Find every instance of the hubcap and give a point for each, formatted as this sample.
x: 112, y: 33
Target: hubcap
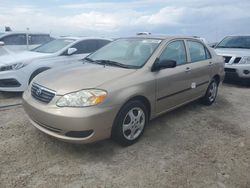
x: 212, y: 92
x: 133, y: 123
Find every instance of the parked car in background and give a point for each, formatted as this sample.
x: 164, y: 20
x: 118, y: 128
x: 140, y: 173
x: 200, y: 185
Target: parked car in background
x: 3, y: 50
x: 236, y: 51
x: 121, y: 86
x: 17, y: 70
x: 20, y: 41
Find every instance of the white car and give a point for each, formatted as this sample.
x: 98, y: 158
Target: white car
x: 17, y: 70
x: 20, y: 41
x: 4, y: 51
x: 236, y: 52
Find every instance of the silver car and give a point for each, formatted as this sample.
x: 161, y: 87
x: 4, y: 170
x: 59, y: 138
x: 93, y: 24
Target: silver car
x: 236, y: 52
x: 120, y: 87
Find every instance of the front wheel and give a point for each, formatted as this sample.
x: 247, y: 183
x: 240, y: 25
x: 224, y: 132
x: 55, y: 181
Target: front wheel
x: 130, y: 123
x: 211, y: 93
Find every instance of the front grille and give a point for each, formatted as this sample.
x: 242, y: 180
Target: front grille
x: 227, y: 58
x: 237, y: 60
x: 9, y: 83
x: 230, y: 70
x: 42, y: 94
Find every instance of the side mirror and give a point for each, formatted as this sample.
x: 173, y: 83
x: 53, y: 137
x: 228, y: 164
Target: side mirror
x: 1, y: 43
x: 163, y: 64
x: 71, y: 51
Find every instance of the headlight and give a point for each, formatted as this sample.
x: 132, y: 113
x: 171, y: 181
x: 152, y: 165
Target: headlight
x: 245, y: 60
x: 82, y: 98
x: 15, y: 66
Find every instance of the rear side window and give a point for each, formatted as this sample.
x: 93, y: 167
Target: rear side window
x: 198, y: 52
x: 17, y: 39
x: 175, y: 51
x: 39, y: 39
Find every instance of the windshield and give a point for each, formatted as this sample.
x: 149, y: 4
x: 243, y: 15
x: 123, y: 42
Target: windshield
x: 53, y: 46
x: 235, y: 42
x: 132, y: 53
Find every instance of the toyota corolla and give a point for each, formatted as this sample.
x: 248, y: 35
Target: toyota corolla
x: 122, y: 86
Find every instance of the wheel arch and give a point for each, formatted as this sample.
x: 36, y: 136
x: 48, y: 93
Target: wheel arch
x: 142, y: 99
x: 217, y: 78
x: 36, y: 72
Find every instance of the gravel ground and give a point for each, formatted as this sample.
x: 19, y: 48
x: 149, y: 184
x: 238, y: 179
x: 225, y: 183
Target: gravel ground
x: 194, y: 146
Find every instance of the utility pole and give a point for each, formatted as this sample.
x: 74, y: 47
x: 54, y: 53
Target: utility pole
x: 27, y: 38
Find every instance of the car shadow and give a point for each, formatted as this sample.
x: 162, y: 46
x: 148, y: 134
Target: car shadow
x: 237, y: 83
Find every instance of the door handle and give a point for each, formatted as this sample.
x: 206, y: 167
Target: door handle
x: 210, y: 63
x: 187, y: 69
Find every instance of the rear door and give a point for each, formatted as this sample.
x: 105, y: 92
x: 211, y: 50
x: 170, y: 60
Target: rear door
x: 199, y: 66
x: 173, y: 85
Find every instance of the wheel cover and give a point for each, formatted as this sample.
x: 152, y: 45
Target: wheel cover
x: 212, y: 91
x: 133, y: 123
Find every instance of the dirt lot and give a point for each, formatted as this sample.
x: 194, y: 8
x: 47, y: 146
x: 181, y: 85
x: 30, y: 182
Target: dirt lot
x: 194, y: 146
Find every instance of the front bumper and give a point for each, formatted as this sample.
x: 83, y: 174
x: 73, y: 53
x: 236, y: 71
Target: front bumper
x: 239, y: 70
x: 13, y: 81
x: 58, y: 122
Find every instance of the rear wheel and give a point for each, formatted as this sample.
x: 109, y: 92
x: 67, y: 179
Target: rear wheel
x: 211, y: 93
x: 130, y: 123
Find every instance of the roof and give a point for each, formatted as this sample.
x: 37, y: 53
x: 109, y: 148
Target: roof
x: 22, y: 32
x: 246, y: 35
x: 83, y: 38
x: 161, y: 37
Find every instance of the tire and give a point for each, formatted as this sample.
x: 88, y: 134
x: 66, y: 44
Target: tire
x: 211, y: 93
x: 35, y: 73
x: 129, y: 125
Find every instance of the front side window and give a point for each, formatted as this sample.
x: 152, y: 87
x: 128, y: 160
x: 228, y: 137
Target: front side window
x: 131, y: 52
x: 86, y: 46
x: 53, y: 46
x: 17, y: 39
x: 235, y: 42
x: 197, y: 51
x: 175, y: 51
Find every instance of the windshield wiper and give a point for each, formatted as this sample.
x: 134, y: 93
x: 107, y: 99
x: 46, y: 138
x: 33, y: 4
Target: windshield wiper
x: 232, y: 47
x: 90, y: 60
x: 114, y: 63
x: 238, y: 47
x: 222, y: 47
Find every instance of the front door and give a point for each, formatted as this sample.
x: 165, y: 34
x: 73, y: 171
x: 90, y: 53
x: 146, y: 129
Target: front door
x: 173, y: 85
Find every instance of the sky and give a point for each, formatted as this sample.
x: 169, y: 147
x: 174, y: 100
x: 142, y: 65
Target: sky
x: 211, y: 19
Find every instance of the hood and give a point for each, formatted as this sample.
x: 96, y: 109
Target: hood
x: 24, y: 56
x: 74, y: 78
x: 237, y: 52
